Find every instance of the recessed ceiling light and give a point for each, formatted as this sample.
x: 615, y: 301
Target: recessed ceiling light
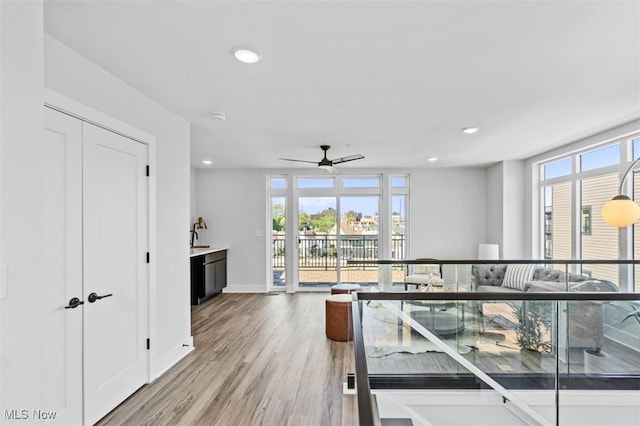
x: 432, y: 159
x: 246, y: 56
x: 218, y: 116
x: 470, y: 130
x: 207, y: 162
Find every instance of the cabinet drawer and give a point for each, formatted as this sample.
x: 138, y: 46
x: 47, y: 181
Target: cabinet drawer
x: 214, y: 257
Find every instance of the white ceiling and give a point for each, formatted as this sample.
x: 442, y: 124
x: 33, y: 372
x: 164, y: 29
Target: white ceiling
x: 392, y: 80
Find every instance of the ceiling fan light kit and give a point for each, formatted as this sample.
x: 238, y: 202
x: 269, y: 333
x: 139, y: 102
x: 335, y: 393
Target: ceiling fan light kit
x: 325, y: 163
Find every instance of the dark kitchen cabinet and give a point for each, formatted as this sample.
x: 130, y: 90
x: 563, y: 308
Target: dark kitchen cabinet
x: 208, y: 275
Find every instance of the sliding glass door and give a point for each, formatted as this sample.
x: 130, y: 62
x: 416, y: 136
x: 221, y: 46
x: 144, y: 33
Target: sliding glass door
x: 332, y: 219
x: 278, y: 242
x: 359, y: 238
x: 317, y: 242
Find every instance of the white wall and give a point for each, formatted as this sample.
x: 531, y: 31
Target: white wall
x: 193, y: 184
x: 22, y: 352
x: 495, y: 200
x: 513, y: 210
x: 506, y: 208
x: 447, y: 213
x: 74, y: 76
x: 233, y: 203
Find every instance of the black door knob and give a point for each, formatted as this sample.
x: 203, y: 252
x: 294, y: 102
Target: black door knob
x: 74, y: 303
x: 93, y: 297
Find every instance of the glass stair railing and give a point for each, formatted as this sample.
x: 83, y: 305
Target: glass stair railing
x: 498, y: 358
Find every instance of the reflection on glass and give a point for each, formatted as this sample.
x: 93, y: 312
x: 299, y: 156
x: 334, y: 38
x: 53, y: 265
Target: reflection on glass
x: 519, y: 348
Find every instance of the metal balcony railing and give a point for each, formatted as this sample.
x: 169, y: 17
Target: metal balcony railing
x: 326, y: 251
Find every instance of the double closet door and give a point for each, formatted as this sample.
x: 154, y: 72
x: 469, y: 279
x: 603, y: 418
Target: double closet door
x: 96, y: 272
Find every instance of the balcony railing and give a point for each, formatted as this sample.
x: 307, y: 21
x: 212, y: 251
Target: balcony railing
x: 327, y: 251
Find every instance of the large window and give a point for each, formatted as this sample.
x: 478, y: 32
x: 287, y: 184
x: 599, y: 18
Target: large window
x: 574, y: 188
x: 334, y: 219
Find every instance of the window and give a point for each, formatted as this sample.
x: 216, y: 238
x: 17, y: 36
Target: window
x: 574, y: 189
x: 328, y: 182
x: 601, y: 157
x: 636, y: 148
x: 332, y: 219
x: 557, y: 216
x: 557, y: 168
x: 585, y: 225
x: 278, y: 183
x: 373, y: 182
x: 398, y: 181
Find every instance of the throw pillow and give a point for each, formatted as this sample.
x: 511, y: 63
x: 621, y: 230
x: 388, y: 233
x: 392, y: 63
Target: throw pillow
x: 516, y: 276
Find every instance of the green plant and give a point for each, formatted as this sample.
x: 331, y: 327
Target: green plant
x: 532, y: 328
x: 635, y: 313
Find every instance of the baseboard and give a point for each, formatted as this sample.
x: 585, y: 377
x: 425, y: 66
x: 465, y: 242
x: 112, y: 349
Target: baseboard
x: 167, y: 360
x: 251, y: 288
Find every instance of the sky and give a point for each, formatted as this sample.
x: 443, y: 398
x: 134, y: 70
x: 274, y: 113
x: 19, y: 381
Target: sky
x: 591, y: 160
x: 368, y: 205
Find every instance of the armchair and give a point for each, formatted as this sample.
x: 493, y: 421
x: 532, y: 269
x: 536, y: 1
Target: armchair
x: 423, y: 274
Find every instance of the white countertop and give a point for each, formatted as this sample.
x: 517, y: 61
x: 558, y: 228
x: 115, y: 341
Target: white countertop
x: 200, y: 251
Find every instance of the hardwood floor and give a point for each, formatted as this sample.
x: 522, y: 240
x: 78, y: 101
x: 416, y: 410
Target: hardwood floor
x: 258, y: 360
x: 264, y: 360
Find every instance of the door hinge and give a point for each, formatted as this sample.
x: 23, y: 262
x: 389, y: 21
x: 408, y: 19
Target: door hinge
x: 148, y: 258
x: 147, y: 171
x: 148, y: 344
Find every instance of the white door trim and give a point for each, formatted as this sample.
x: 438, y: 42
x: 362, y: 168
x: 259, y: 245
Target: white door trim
x: 55, y: 100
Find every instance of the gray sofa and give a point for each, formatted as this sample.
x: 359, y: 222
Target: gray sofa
x: 585, y: 318
x: 489, y: 278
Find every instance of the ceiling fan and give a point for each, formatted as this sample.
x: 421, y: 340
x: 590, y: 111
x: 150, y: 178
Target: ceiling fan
x: 325, y: 163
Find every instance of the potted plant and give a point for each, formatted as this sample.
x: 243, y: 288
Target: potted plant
x: 533, y: 330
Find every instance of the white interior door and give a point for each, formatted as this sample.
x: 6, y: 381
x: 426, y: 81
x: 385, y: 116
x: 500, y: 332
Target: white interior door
x: 62, y: 258
x: 115, y: 250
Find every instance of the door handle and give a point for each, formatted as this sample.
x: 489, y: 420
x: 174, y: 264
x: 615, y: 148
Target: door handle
x: 93, y: 297
x: 74, y: 303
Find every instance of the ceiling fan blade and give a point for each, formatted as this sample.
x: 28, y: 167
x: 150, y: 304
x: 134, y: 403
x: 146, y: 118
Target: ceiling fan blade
x: 348, y: 158
x: 299, y: 161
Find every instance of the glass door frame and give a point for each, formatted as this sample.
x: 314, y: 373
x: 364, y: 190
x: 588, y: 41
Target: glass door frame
x: 292, y: 192
x: 337, y: 191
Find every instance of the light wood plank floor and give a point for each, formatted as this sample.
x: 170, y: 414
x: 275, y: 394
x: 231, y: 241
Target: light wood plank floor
x: 258, y: 360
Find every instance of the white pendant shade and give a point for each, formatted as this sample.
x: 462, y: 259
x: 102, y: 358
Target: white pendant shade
x: 621, y: 212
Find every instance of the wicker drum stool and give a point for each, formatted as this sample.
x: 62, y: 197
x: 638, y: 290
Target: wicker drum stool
x: 345, y: 288
x: 338, y: 317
